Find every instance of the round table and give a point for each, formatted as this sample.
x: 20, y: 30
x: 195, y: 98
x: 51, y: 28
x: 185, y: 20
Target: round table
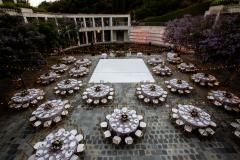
x: 60, y: 144
x: 59, y: 68
x: 49, y: 110
x: 187, y: 67
x: 99, y: 93
x: 48, y: 77
x: 103, y: 91
x: 83, y: 62
x: 68, y: 59
x: 123, y: 121
x: 173, y: 58
x: 68, y: 84
x: 222, y: 98
x: 78, y: 71
x: 162, y: 70
x: 194, y: 116
x: 155, y: 61
x: 205, y: 79
x: 26, y: 97
x: 180, y: 86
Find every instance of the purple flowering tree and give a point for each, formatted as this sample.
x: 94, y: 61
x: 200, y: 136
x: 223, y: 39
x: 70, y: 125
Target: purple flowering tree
x: 211, y: 43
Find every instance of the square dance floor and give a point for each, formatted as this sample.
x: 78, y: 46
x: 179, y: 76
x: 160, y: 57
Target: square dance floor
x: 121, y: 71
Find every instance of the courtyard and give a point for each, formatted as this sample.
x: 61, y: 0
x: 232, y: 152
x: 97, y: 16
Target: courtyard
x: 161, y: 139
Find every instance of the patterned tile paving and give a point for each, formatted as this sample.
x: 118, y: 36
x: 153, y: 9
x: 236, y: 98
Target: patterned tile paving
x: 161, y: 141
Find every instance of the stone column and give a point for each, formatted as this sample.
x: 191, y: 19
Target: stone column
x: 77, y: 31
x: 93, y: 20
x: 85, y: 26
x: 46, y: 19
x: 103, y: 36
x: 25, y: 19
x: 94, y: 36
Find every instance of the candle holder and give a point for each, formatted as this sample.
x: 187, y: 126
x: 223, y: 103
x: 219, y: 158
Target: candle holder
x: 67, y: 81
x: 56, y: 145
x: 153, y: 88
x: 24, y: 93
x: 48, y: 106
x: 124, y: 117
x: 179, y: 81
x: 194, y: 113
x: 98, y: 89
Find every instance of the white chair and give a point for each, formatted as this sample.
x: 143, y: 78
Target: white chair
x: 111, y: 93
x: 187, y: 91
x: 139, y: 133
x: 32, y: 119
x: 89, y: 101
x: 47, y: 124
x: 63, y: 92
x: 57, y: 119
x: 107, y: 134
x: 129, y: 140
x: 162, y: 99
x: 146, y: 100
x: 180, y: 91
x: 217, y: 103
x: 213, y: 124
x: 210, y: 131
x: 74, y: 157
x: 179, y: 122
x: 140, y: 117
x: 80, y: 148
x: 64, y: 113
x: 55, y: 88
x: 74, y: 132
x: 84, y: 97
x: 57, y: 91
x: 216, y: 83
x: 37, y: 145
x: 140, y: 96
x: 26, y: 105
x: 166, y: 82
x: 116, y: 140
x: 37, y: 124
x: 34, y: 101
x: 188, y: 128
x: 79, y: 137
x: 96, y: 101
x: 103, y: 125
x: 104, y: 101
x: 202, y: 132
x: 142, y: 125
x: 174, y: 110
x: 67, y: 106
x: 210, y: 97
x: 169, y: 87
x: 175, y: 116
x: 70, y: 91
x: 110, y: 97
x: 138, y: 92
x: 155, y: 101
x: 173, y: 90
x: 76, y: 88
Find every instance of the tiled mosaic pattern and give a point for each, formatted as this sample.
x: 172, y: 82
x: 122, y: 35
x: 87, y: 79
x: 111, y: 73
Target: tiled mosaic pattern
x: 161, y: 141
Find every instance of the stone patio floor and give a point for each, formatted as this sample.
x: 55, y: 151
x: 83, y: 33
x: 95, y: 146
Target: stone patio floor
x: 161, y: 140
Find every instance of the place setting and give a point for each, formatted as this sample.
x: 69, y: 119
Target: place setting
x: 98, y: 94
x: 26, y: 98
x: 151, y: 93
x: 191, y: 118
x: 68, y: 59
x: 83, y: 62
x: 173, y: 58
x: 67, y: 86
x: 48, y: 78
x: 49, y: 113
x: 60, y: 145
x: 78, y: 71
x: 59, y: 68
x: 123, y: 126
x: 187, y: 67
x: 224, y: 99
x: 179, y: 86
x: 205, y: 79
x: 162, y: 70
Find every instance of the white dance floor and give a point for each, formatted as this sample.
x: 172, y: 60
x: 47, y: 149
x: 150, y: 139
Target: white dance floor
x: 121, y: 71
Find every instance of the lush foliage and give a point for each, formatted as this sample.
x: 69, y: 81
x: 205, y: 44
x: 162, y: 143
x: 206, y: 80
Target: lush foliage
x: 195, y: 9
x: 224, y: 2
x: 25, y: 45
x: 138, y: 8
x: 212, y: 39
